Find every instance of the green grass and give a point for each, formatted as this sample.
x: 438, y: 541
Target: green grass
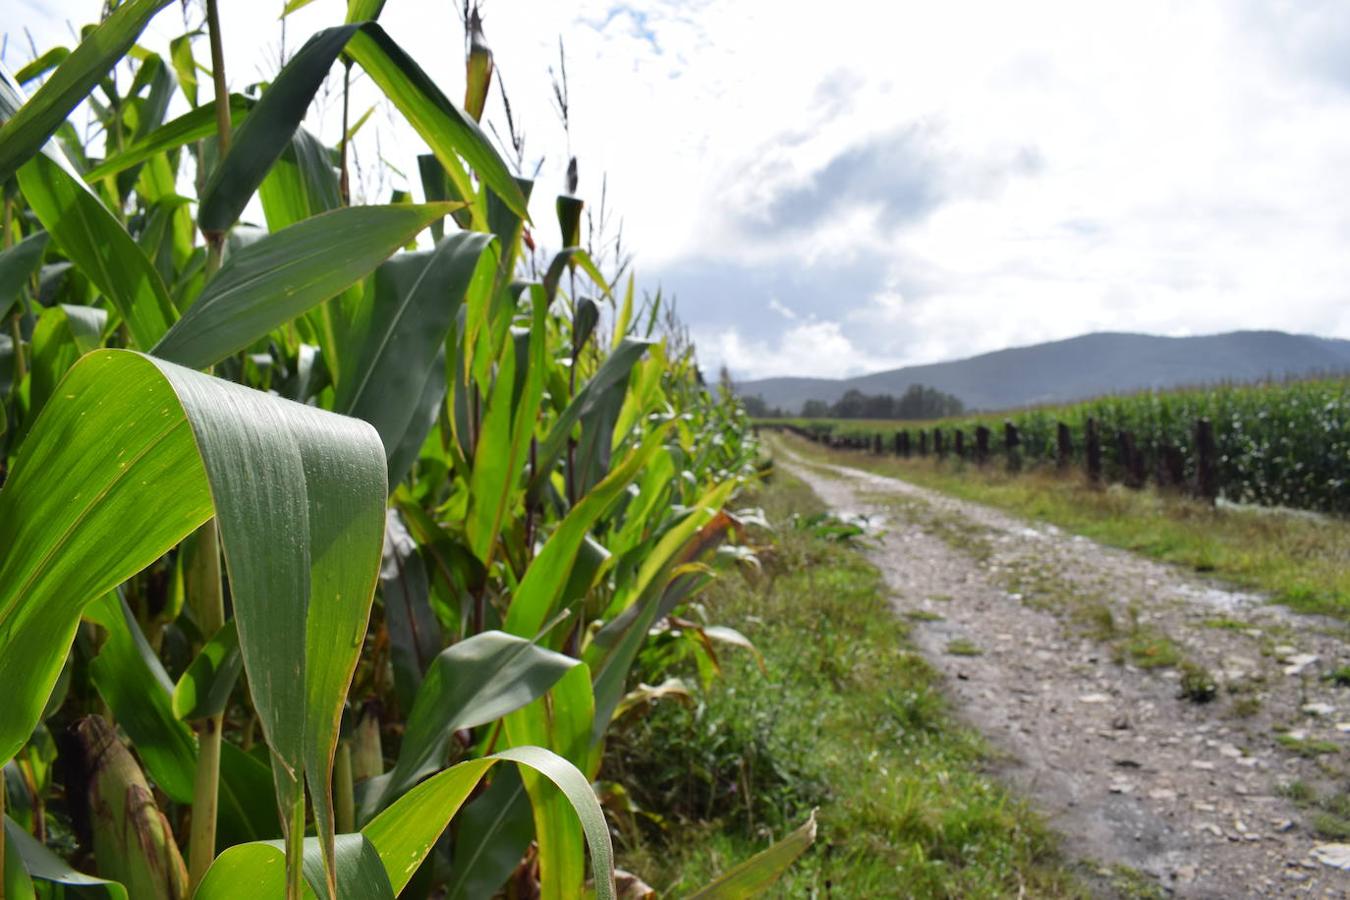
x: 846, y: 717
x: 963, y: 647
x: 1301, y: 560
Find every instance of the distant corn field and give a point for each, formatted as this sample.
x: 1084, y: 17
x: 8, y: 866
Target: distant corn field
x: 1278, y: 443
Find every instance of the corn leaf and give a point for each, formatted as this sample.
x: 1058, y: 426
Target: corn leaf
x: 758, y: 873
x: 494, y: 831
x: 271, y: 281
x: 268, y: 129
x: 136, y: 688
x: 537, y: 596
x: 24, y: 134
x: 193, y: 125
x: 299, y: 498
x: 608, y: 381
x: 471, y: 683
x: 615, y: 646
x: 403, y: 835
x: 17, y: 265
x: 86, y: 232
x: 447, y: 129
x: 504, y: 437
x: 411, y: 309
x: 562, y: 723
x: 204, y: 689
x: 63, y: 334
x: 302, y: 183
x: 414, y: 634
x: 25, y: 855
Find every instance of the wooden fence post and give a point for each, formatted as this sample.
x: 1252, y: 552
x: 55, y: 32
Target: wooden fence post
x: 1133, y: 459
x: 923, y: 442
x: 878, y: 446
x: 960, y: 442
x: 1012, y: 446
x: 1063, y: 445
x: 939, y: 445
x: 1206, y: 459
x: 981, y: 444
x: 1092, y: 446
x: 1171, y: 467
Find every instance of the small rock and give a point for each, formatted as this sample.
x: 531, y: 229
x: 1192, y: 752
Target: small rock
x: 1162, y: 794
x: 1203, y: 765
x: 1229, y: 751
x: 1095, y: 698
x: 1343, y: 727
x: 1337, y: 856
x: 1283, y: 825
x: 1282, y: 652
x: 1203, y: 807
x: 1299, y: 662
x: 1318, y: 709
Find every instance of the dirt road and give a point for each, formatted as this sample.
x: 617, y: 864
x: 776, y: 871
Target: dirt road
x: 1072, y: 659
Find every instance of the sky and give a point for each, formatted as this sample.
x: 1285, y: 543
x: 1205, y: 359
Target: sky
x: 834, y: 190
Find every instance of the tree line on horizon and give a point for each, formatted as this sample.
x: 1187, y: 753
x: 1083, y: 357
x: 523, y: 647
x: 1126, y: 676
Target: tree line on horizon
x: 918, y: 402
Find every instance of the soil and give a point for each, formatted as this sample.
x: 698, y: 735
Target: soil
x: 1070, y: 658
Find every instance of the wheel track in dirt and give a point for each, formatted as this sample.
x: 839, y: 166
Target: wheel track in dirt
x: 1192, y: 795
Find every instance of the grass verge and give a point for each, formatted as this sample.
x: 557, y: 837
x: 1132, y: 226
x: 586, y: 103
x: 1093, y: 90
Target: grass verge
x: 845, y: 716
x: 1299, y: 559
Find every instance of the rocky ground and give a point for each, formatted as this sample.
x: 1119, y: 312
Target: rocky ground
x: 1165, y: 725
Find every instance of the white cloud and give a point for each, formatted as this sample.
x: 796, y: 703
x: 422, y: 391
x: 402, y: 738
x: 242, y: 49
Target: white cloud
x: 1067, y: 166
x: 809, y: 349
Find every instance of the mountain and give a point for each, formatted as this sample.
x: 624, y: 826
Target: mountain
x: 1080, y: 367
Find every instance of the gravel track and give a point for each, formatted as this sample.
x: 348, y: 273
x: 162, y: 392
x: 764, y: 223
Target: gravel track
x: 1192, y: 795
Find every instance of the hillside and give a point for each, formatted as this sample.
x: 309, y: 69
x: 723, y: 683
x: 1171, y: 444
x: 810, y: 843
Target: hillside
x: 1080, y: 367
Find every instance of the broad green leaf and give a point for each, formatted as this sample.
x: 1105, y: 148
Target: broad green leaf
x: 136, y: 688
x: 412, y: 307
x: 193, y: 125
x: 625, y: 315
x: 447, y: 129
x: 92, y: 238
x: 28, y: 130
x: 268, y: 129
x: 494, y: 832
x: 427, y: 409
x: 17, y: 265
x: 414, y: 634
x: 204, y: 689
x: 273, y: 280
x: 364, y: 10
x: 42, y: 64
x: 404, y: 833
x: 23, y: 849
x: 63, y: 334
x: 302, y: 183
x: 613, y: 649
x: 294, y: 5
x: 471, y: 683
x: 562, y: 723
x: 185, y: 66
x: 757, y: 874
x: 298, y: 494
x: 609, y: 379
x: 505, y: 435
x: 537, y: 596
x: 248, y: 809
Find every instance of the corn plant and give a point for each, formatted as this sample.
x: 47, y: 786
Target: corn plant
x: 305, y: 526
